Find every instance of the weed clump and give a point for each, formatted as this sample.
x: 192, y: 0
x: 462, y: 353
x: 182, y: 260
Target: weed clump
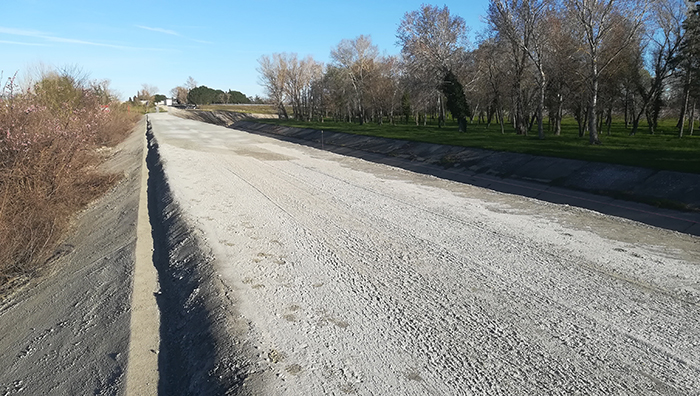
x: 49, y: 135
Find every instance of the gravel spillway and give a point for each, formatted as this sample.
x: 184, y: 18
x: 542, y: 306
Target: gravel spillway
x: 344, y: 276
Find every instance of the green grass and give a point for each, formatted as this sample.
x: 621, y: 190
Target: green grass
x: 663, y: 150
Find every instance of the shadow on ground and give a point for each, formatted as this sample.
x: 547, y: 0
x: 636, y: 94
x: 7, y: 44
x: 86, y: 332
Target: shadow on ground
x: 195, y: 357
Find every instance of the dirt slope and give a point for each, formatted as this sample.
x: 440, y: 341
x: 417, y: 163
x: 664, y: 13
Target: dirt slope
x: 67, y: 333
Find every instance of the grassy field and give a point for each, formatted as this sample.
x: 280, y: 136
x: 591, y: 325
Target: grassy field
x: 663, y: 150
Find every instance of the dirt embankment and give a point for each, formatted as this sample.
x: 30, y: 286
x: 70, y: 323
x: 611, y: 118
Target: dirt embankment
x: 67, y: 331
x: 72, y: 330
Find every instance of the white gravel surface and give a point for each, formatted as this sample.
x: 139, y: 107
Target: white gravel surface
x: 354, y: 277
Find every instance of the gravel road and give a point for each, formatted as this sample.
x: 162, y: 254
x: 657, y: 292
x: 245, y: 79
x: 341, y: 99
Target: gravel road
x: 351, y: 277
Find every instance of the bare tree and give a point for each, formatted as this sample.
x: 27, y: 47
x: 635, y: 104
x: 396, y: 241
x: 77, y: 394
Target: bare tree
x: 190, y: 84
x: 337, y: 89
x: 356, y: 58
x: 301, y: 74
x: 563, y: 69
x: 594, y: 22
x: 148, y: 93
x: 273, y: 77
x: 492, y: 83
x: 432, y: 39
x: 180, y: 94
x: 524, y: 23
x: 665, y: 37
x: 433, y: 42
x: 384, y: 88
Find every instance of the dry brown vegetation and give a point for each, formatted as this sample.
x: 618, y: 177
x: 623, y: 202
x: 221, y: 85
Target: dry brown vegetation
x: 49, y: 133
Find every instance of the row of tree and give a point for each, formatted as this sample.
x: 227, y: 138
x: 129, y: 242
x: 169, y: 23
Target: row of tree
x: 592, y: 59
x: 192, y: 93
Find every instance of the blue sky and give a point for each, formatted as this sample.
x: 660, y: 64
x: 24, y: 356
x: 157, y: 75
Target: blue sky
x: 218, y: 43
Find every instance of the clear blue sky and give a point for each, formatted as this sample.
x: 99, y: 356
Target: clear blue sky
x: 216, y: 42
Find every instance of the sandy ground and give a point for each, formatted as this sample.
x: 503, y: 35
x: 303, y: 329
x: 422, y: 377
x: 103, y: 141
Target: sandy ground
x: 351, y: 277
x: 68, y: 331
x: 286, y: 270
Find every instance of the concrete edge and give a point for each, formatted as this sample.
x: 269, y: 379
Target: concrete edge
x: 631, y: 183
x: 142, y: 376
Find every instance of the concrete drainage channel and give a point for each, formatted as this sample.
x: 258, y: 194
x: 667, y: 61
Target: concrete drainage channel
x: 194, y: 355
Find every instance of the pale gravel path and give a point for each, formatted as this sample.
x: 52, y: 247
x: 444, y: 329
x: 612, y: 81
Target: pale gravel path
x: 362, y: 278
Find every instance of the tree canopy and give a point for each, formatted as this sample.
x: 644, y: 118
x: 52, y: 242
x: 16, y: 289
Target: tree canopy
x: 589, y: 59
x: 203, y: 95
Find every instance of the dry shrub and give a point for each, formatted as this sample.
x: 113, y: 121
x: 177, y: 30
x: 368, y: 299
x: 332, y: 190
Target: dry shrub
x: 48, y: 139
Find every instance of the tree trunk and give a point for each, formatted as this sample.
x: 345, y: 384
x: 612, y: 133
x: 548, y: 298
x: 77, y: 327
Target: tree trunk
x: 592, y: 131
x: 580, y: 117
x: 686, y: 96
x: 559, y: 115
x: 532, y: 121
x: 282, y: 112
x: 462, y: 124
x: 441, y: 117
x: 627, y: 98
x: 489, y: 115
x: 540, y: 109
x: 635, y: 122
x: 520, y: 117
x: 501, y: 121
x: 650, y: 122
x: 692, y: 117
x: 655, y: 110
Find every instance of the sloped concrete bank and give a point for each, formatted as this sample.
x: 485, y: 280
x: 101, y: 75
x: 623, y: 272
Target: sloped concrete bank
x: 217, y: 117
x: 197, y: 354
x: 639, y: 194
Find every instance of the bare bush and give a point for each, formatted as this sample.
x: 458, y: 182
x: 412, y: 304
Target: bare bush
x: 48, y: 136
